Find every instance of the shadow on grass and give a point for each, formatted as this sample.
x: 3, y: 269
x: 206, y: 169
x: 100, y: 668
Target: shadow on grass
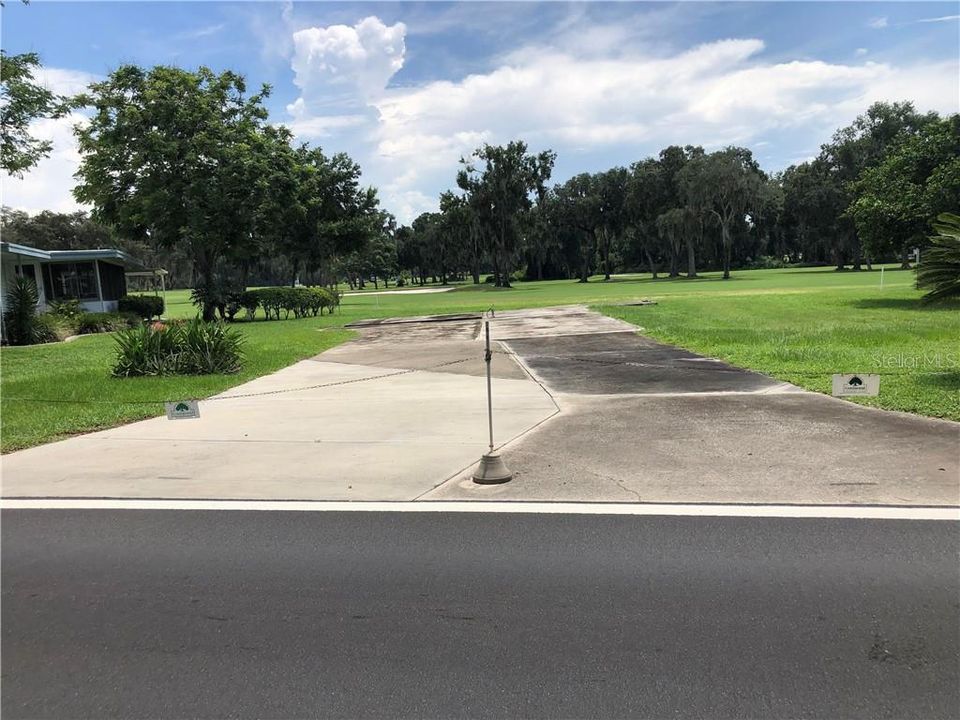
x: 906, y: 304
x: 832, y: 270
x: 949, y: 380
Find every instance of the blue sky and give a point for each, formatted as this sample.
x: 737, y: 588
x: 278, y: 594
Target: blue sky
x: 407, y: 88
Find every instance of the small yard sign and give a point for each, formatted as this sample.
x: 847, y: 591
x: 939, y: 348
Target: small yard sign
x: 183, y: 409
x: 864, y: 385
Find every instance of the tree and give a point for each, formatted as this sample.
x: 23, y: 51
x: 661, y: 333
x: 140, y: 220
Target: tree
x: 854, y: 149
x: 644, y: 203
x: 503, y: 178
x: 580, y: 209
x: 21, y: 102
x: 727, y: 184
x: 915, y: 182
x: 457, y: 227
x: 331, y: 215
x: 940, y: 270
x: 610, y: 188
x: 178, y: 157
x: 538, y: 234
x: 680, y: 227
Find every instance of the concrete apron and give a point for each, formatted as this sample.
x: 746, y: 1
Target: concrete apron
x: 638, y: 422
x: 385, y: 433
x: 645, y: 422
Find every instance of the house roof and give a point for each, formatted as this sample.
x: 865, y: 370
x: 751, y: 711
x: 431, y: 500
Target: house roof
x: 117, y: 256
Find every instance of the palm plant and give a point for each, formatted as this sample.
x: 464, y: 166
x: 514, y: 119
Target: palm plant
x: 20, y: 312
x: 939, y: 272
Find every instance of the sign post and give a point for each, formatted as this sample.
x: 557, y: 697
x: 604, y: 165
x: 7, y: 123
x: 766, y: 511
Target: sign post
x: 491, y: 470
x: 183, y: 410
x: 864, y: 385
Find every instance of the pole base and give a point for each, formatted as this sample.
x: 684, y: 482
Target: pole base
x: 491, y: 470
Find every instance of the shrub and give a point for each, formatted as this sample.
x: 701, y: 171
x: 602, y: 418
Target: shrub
x: 146, y: 307
x: 20, y: 321
x: 193, y: 347
x: 939, y: 273
x: 49, y: 328
x: 209, y: 348
x: 249, y: 300
x: 767, y: 262
x: 301, y: 302
x: 67, y: 309
x: 90, y: 323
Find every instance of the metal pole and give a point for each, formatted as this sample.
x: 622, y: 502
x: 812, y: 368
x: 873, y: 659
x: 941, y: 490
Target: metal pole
x: 488, y: 356
x: 491, y: 469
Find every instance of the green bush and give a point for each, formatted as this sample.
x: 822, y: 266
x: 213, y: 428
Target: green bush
x: 49, y: 328
x: 193, y: 347
x: 67, y: 309
x: 20, y: 322
x: 249, y: 300
x: 939, y: 273
x: 90, y: 323
x: 146, y: 307
x: 301, y: 302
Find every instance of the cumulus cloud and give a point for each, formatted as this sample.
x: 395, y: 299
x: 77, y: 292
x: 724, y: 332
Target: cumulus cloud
x: 364, y: 56
x: 48, y: 185
x: 715, y: 94
x: 62, y: 81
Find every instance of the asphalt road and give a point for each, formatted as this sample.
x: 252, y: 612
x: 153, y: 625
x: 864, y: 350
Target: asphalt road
x: 284, y: 614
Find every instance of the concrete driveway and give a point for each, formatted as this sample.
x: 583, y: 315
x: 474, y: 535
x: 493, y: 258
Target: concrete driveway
x: 387, y: 417
x: 588, y: 410
x: 645, y: 422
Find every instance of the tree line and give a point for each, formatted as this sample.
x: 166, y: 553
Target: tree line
x: 868, y: 196
x: 182, y: 169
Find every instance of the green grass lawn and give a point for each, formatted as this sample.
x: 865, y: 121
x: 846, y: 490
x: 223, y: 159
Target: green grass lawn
x: 797, y: 325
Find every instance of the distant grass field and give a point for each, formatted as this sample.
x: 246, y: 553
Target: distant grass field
x: 798, y: 325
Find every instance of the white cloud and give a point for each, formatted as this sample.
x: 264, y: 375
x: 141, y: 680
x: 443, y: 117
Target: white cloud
x: 48, y: 185
x: 201, y: 32
x: 877, y: 23
x: 309, y: 127
x: 364, y: 56
x: 715, y: 94
x: 62, y: 81
x: 860, y: 52
x: 945, y: 18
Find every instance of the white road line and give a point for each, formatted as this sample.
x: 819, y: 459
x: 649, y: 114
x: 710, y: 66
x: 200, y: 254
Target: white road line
x: 872, y: 512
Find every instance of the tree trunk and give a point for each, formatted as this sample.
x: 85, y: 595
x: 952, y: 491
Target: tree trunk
x: 605, y: 252
x: 653, y: 267
x: 905, y: 258
x: 691, y: 260
x: 857, y: 256
x: 727, y: 242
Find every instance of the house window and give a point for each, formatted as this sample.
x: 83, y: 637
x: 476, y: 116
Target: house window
x: 73, y: 281
x: 28, y: 271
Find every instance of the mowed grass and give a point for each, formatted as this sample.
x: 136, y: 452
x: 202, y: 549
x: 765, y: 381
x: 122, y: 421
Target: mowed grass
x: 53, y: 391
x: 804, y: 338
x: 798, y: 325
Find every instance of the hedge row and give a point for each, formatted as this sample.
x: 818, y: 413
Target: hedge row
x: 143, y: 306
x: 301, y: 301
